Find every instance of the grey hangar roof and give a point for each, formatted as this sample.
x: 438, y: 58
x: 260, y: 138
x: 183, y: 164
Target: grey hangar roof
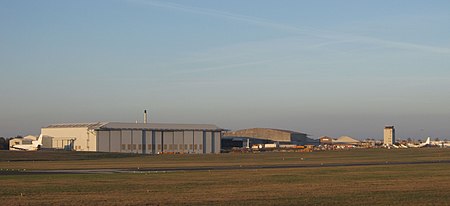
x: 138, y: 126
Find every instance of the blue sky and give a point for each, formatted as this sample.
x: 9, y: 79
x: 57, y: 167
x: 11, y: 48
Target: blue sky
x: 323, y: 67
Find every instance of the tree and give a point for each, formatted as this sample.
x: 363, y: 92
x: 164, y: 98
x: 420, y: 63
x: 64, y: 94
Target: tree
x: 3, y: 143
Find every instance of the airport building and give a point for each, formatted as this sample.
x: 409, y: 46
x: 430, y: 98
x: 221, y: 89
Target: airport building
x: 27, y: 140
x: 246, y: 138
x: 325, y: 140
x: 142, y: 138
x: 389, y: 135
x: 341, y: 142
x: 346, y: 140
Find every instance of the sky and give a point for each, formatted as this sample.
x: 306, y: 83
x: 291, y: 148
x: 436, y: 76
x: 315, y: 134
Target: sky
x: 321, y: 67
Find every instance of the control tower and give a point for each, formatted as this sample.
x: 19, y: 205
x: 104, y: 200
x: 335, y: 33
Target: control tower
x: 389, y: 135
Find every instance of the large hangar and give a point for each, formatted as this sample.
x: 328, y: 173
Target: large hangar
x: 248, y: 137
x: 143, y: 138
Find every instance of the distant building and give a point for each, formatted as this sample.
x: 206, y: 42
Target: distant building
x: 368, y: 143
x: 389, y: 135
x: 325, y: 140
x: 346, y: 141
x: 248, y: 137
x: 21, y: 140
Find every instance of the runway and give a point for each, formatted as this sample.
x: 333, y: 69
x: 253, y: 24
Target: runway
x: 214, y: 168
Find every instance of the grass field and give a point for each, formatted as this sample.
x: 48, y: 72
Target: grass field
x: 424, y: 184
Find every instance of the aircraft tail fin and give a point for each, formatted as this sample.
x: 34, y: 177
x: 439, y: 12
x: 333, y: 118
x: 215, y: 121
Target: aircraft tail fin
x: 38, y: 142
x: 428, y: 140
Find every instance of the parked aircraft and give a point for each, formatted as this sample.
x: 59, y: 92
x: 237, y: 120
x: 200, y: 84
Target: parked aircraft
x: 426, y: 143
x: 35, y: 145
x: 442, y: 144
x: 398, y: 146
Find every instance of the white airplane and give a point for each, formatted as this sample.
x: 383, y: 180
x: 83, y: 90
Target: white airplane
x: 442, y: 144
x: 395, y: 146
x: 427, y: 143
x: 35, y: 145
x: 399, y: 146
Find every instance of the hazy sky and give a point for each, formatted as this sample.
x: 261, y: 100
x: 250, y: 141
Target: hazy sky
x: 322, y: 67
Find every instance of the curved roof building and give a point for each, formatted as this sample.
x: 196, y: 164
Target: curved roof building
x: 273, y: 135
x: 346, y: 140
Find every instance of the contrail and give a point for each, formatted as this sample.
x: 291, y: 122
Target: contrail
x: 223, y: 14
x: 229, y: 66
x: 305, y: 31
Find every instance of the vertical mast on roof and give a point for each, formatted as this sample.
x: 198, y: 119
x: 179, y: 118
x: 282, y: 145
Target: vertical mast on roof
x: 145, y: 116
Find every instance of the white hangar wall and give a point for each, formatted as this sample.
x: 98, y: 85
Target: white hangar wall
x: 79, y: 139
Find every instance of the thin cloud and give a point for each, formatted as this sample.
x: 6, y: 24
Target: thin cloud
x: 223, y: 14
x: 230, y: 66
x: 305, y: 31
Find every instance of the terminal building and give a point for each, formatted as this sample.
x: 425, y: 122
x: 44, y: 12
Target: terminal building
x: 142, y: 138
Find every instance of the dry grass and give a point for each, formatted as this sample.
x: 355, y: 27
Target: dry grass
x: 89, y: 160
x: 425, y: 184
x: 376, y: 185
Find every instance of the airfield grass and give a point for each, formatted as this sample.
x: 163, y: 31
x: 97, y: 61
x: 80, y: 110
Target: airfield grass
x: 91, y: 160
x: 414, y: 184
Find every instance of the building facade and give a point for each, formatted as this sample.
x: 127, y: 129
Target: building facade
x: 325, y: 140
x: 142, y: 138
x: 389, y: 135
x: 255, y: 136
